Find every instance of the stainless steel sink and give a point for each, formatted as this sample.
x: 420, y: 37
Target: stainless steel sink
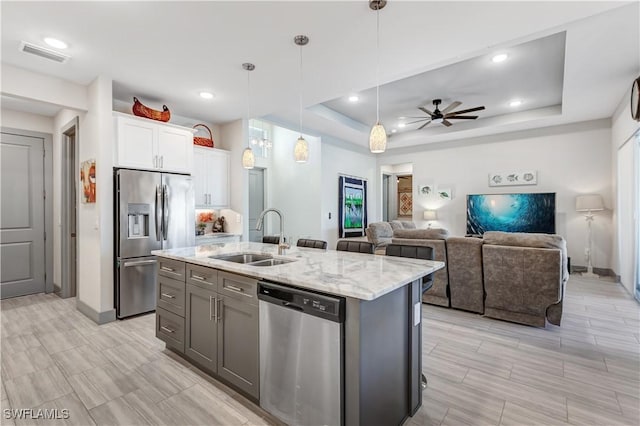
x: 253, y: 259
x: 272, y: 262
x: 243, y: 258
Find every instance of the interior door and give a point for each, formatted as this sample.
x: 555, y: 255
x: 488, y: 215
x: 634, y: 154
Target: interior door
x: 256, y: 203
x: 22, y: 256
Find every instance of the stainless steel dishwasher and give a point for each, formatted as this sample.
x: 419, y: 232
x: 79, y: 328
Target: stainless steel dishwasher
x: 301, y: 355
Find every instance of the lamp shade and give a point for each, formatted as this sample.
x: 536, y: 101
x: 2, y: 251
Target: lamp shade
x: 248, y: 159
x: 430, y: 215
x: 378, y: 139
x: 301, y: 150
x: 591, y: 202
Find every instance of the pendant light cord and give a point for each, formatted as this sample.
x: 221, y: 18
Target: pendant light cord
x: 248, y: 102
x: 300, y: 93
x: 378, y: 65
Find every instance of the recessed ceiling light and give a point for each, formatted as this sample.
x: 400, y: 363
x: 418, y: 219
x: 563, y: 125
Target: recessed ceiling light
x: 515, y: 103
x: 353, y: 98
x: 54, y: 42
x: 206, y: 95
x: 501, y: 57
x: 393, y: 130
x: 401, y: 125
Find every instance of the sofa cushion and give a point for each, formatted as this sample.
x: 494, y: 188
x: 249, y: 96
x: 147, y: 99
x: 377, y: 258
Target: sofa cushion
x: 379, y: 233
x: 422, y: 234
x: 402, y: 224
x: 523, y: 239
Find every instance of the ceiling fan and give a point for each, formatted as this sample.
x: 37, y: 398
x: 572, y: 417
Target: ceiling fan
x: 445, y: 115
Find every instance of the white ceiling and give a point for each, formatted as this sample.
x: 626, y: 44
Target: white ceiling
x: 167, y: 52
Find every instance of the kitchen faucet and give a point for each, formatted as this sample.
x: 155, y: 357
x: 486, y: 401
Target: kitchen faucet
x: 282, y: 246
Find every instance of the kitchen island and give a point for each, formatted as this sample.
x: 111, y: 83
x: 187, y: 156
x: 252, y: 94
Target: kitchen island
x: 208, y: 311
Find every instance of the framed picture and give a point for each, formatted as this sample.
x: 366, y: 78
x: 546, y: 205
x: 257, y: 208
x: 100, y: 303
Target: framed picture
x: 426, y: 190
x: 444, y: 193
x: 88, y: 181
x: 352, y: 205
x: 529, y: 177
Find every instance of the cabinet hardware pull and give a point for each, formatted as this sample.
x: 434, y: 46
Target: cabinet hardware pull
x: 162, y: 161
x: 197, y: 277
x: 168, y: 296
x: 218, y: 310
x: 234, y: 288
x: 166, y: 268
x: 210, y: 315
x: 155, y: 161
x: 215, y: 307
x: 167, y: 329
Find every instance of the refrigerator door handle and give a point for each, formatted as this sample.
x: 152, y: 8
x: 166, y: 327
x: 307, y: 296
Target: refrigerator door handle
x: 158, y: 205
x: 165, y: 212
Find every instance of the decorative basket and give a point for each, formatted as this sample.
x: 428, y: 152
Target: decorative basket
x: 200, y: 141
x: 143, y: 111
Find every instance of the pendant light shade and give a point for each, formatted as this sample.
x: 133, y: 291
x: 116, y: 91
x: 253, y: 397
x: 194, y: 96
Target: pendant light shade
x: 301, y: 150
x: 248, y: 158
x: 378, y: 139
x: 378, y: 135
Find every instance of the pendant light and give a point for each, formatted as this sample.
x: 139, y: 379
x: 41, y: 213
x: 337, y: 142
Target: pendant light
x: 248, y: 159
x: 378, y: 135
x: 301, y: 150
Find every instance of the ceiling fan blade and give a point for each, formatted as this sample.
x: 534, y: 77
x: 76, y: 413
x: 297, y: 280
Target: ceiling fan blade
x: 422, y: 127
x: 417, y: 121
x: 480, y: 108
x: 446, y: 123
x: 423, y: 109
x: 453, y: 105
x: 465, y: 117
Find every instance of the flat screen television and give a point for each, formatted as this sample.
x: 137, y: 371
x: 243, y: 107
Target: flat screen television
x: 511, y: 213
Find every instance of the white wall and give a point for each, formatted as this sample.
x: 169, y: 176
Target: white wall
x: 623, y: 128
x: 337, y: 161
x: 26, y: 121
x: 295, y: 187
x: 22, y: 83
x: 233, y: 138
x: 570, y: 160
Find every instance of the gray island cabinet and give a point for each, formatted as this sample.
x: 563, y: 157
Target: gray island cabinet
x: 208, y: 311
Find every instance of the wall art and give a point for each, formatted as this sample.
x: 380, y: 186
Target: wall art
x: 352, y: 204
x: 529, y: 177
x: 444, y: 193
x: 88, y: 181
x: 426, y: 190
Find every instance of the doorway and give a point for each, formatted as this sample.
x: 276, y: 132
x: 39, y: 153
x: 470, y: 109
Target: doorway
x: 70, y: 176
x: 256, y: 203
x: 385, y: 197
x: 405, y: 197
x: 25, y: 254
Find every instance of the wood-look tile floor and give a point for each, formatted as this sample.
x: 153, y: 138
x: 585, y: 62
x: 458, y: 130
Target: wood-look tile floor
x: 480, y: 371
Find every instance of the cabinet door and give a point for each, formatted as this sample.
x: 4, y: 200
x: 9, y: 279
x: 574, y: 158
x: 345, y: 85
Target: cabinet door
x: 199, y: 175
x: 201, y: 331
x: 175, y: 148
x: 238, y: 345
x: 136, y: 143
x: 218, y: 165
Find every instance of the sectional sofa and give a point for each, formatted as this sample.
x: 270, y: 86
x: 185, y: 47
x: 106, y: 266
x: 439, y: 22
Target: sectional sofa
x: 515, y: 277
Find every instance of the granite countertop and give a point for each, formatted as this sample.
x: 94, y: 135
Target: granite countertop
x: 217, y: 235
x: 361, y: 276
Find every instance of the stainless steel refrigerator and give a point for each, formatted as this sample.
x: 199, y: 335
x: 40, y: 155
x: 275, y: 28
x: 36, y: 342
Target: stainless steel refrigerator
x: 153, y: 211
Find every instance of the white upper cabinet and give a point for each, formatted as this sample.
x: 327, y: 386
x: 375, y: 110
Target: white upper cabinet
x: 211, y: 177
x: 146, y: 144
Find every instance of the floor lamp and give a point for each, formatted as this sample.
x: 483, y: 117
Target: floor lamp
x: 589, y: 204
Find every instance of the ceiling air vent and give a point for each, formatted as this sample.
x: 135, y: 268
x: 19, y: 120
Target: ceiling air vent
x: 43, y: 52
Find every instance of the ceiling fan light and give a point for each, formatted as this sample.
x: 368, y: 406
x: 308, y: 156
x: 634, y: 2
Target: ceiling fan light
x: 301, y: 150
x: 377, y: 139
x: 248, y: 159
x: 438, y: 120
